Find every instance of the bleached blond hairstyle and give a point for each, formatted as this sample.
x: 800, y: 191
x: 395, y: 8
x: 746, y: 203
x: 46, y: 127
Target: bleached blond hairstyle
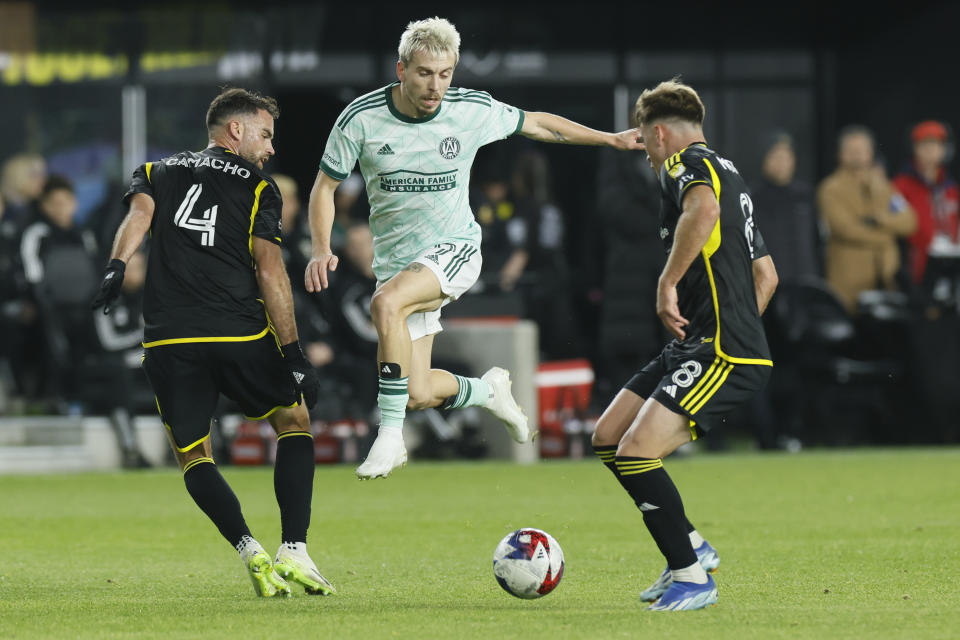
x: 436, y: 36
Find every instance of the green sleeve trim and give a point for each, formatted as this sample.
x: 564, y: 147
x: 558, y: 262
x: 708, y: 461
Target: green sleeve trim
x: 333, y: 173
x: 519, y: 122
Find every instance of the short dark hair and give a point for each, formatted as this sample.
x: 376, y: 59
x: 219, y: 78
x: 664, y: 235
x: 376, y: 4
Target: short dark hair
x: 670, y: 99
x: 236, y: 101
x: 856, y: 130
x: 56, y: 183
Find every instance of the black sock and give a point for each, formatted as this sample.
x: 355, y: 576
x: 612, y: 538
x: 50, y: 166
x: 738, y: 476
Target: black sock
x: 293, y: 483
x: 215, y: 498
x: 608, y: 455
x: 657, y: 497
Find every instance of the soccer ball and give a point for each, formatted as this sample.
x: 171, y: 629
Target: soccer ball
x: 528, y: 563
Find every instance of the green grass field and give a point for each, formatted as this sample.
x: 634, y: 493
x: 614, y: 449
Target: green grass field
x: 837, y: 544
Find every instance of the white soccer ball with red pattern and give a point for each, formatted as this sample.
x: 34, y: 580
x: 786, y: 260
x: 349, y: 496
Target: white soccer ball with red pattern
x: 528, y: 563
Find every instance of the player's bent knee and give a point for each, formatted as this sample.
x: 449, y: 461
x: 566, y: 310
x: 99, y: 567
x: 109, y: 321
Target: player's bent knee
x: 384, y: 308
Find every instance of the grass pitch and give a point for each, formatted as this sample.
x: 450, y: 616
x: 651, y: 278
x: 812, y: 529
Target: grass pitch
x: 837, y: 544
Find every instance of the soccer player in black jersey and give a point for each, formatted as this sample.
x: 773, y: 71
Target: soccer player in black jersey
x: 218, y: 317
x: 717, y: 281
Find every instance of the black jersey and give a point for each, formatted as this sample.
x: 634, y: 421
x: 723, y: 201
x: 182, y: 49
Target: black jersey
x: 201, y: 283
x: 717, y: 294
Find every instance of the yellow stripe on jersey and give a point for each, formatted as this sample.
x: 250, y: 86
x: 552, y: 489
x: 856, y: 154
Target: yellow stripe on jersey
x: 149, y: 167
x: 160, y: 343
x: 253, y: 211
x: 713, y: 243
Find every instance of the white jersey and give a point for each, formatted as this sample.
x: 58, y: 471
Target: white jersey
x: 417, y: 170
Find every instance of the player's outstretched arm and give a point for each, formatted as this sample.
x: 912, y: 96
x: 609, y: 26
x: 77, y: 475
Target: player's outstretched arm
x: 765, y: 280
x: 547, y: 127
x: 129, y: 236
x: 701, y: 211
x: 321, y: 212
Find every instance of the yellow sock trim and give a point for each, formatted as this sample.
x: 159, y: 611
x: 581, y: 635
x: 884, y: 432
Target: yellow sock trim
x: 193, y: 463
x: 294, y: 433
x: 634, y: 467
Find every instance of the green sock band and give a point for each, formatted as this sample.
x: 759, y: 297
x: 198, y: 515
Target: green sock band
x: 471, y: 392
x: 392, y: 400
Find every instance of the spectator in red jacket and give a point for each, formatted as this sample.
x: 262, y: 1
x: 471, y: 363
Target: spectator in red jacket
x: 932, y: 194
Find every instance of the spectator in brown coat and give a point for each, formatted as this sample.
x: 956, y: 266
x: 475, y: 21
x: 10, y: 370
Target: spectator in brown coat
x: 864, y: 217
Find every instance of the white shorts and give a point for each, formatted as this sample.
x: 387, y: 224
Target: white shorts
x: 457, y: 267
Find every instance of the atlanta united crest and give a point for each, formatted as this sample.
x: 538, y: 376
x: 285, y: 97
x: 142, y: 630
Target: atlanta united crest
x: 449, y: 148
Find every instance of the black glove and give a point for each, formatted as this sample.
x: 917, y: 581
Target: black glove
x: 110, y: 286
x: 304, y: 377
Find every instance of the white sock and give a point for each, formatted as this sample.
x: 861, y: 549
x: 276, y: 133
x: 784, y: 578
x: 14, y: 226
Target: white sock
x: 693, y: 573
x: 696, y: 539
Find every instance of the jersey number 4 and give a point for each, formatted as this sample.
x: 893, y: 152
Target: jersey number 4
x: 205, y: 224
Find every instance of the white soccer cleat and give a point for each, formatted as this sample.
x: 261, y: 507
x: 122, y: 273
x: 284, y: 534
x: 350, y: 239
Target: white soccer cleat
x: 294, y: 565
x: 386, y: 454
x: 504, y: 406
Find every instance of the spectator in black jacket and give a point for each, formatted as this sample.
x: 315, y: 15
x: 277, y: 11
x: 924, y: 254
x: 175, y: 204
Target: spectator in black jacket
x: 60, y: 274
x: 347, y: 308
x: 787, y: 214
x: 628, y: 203
x: 538, y: 265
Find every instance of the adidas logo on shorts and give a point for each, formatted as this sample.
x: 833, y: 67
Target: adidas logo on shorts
x: 385, y: 150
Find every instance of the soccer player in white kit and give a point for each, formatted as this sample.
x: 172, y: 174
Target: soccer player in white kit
x: 415, y: 141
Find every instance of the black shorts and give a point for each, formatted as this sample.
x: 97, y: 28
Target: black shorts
x: 188, y: 378
x: 702, y: 386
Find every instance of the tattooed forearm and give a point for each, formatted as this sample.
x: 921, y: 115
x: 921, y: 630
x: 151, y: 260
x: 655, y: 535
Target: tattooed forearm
x: 559, y: 137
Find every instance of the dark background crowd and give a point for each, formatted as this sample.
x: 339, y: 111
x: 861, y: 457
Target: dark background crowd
x: 844, y: 140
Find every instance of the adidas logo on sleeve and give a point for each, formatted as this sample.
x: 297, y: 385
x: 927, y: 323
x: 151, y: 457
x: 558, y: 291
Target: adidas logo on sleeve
x: 385, y: 150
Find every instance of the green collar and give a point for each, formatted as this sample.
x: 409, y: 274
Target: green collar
x: 405, y: 118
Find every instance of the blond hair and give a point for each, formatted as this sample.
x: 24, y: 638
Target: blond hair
x: 436, y: 36
x: 670, y: 100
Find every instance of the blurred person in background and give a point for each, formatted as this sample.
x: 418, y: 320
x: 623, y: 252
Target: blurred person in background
x: 539, y: 257
x: 786, y: 207
x: 347, y: 308
x: 17, y: 314
x: 494, y: 210
x: 54, y: 252
x: 932, y: 193
x: 350, y: 205
x: 934, y: 354
x: 628, y: 200
x: 21, y: 181
x: 123, y: 391
x: 864, y: 217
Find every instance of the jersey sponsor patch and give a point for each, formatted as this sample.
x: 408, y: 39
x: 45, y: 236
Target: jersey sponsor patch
x: 403, y: 180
